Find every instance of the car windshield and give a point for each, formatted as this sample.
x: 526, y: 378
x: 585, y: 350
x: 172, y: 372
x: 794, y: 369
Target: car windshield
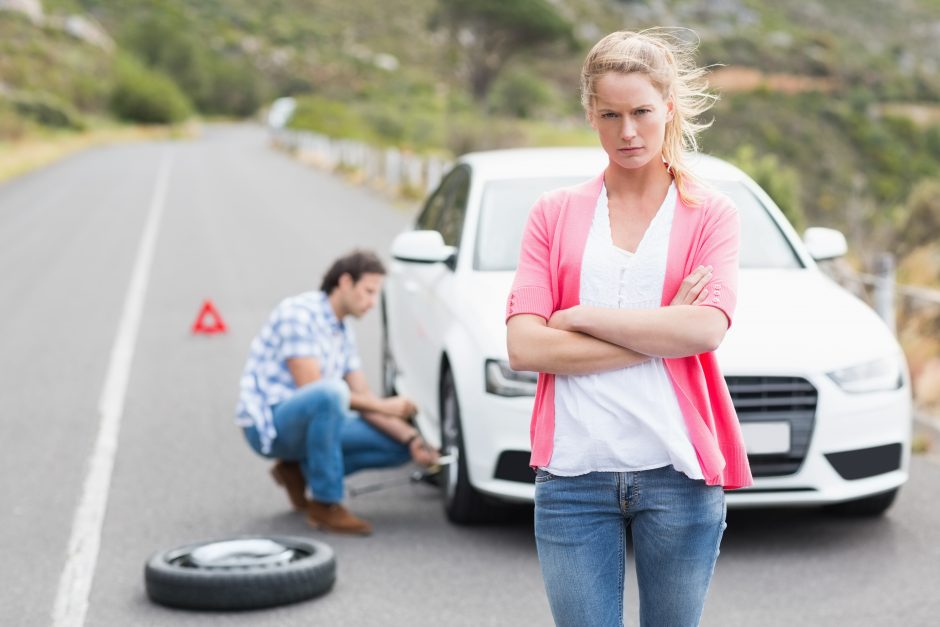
x: 505, y: 206
x: 503, y: 213
x: 763, y: 245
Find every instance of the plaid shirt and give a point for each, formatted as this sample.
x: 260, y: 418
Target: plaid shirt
x: 300, y: 326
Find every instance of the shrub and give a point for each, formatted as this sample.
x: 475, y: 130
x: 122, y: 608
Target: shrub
x: 216, y: 82
x: 147, y: 96
x: 48, y: 110
x: 520, y: 94
x: 469, y: 133
x: 234, y: 88
x: 12, y: 125
x: 335, y: 119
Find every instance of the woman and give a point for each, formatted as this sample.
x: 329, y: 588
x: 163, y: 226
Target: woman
x: 625, y: 286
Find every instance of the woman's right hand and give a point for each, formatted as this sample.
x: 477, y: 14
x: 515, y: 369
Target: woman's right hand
x: 692, y: 289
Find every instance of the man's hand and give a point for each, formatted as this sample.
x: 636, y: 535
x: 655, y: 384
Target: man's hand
x: 421, y: 453
x: 692, y: 289
x: 399, y: 406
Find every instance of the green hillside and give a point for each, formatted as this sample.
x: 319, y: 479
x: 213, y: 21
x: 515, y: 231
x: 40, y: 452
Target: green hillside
x: 834, y: 106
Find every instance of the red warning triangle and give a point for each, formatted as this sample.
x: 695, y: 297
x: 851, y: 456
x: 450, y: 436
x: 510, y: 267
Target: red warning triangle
x: 209, y: 321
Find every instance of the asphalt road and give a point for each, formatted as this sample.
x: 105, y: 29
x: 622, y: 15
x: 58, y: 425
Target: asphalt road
x: 245, y: 225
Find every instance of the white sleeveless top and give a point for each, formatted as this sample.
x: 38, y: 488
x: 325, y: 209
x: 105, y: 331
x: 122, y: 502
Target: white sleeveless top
x: 629, y: 419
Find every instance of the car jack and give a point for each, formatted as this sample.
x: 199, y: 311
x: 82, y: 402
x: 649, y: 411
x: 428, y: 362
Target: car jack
x: 414, y: 477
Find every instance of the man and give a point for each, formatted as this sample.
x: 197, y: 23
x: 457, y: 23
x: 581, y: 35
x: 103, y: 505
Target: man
x: 303, y: 376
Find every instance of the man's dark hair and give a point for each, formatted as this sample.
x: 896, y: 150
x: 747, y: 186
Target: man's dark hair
x: 355, y: 264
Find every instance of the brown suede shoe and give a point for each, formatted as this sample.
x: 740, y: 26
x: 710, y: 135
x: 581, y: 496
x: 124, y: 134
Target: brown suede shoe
x: 289, y: 476
x: 335, y: 517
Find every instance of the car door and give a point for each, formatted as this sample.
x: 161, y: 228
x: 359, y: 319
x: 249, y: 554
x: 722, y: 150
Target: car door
x: 440, y: 286
x: 413, y: 301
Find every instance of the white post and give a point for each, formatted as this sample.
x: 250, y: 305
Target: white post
x: 884, y: 290
x: 434, y: 173
x: 413, y: 168
x: 392, y: 169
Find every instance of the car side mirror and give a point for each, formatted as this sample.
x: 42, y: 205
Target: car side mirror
x: 423, y: 247
x: 825, y: 244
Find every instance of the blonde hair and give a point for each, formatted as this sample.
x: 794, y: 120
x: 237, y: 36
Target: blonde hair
x: 669, y: 62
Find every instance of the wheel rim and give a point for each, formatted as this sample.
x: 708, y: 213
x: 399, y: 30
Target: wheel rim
x: 450, y: 436
x: 237, y: 554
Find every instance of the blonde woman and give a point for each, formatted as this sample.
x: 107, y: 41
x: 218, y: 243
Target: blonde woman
x: 626, y: 285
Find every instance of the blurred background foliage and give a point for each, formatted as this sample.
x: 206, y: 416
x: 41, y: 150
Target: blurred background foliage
x: 834, y: 107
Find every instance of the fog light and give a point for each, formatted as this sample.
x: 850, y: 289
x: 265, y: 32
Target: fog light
x: 504, y: 381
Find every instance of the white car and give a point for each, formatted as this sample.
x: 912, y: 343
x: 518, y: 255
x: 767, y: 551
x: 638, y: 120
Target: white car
x: 819, y: 383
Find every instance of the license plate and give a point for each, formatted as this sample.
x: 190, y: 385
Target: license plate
x: 766, y: 438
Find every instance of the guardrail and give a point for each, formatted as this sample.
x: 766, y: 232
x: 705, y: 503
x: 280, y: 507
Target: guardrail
x: 881, y: 290
x: 396, y: 171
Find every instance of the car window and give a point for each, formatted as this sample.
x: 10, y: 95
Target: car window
x: 450, y: 221
x: 429, y: 216
x: 763, y: 244
x: 505, y: 206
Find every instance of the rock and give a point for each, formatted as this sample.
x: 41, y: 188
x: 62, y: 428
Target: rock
x: 86, y: 29
x: 78, y: 26
x: 31, y: 8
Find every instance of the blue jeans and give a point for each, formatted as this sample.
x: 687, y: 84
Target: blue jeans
x: 316, y: 428
x: 580, y: 530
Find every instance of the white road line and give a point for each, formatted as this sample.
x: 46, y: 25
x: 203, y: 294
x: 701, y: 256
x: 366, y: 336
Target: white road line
x: 71, y: 603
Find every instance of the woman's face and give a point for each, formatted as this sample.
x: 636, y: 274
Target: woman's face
x: 630, y: 116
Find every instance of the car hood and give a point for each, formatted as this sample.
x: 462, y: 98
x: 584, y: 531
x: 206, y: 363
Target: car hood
x: 800, y: 320
x: 786, y: 321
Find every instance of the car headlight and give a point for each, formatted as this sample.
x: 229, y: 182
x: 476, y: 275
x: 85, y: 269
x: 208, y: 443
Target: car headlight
x: 504, y: 381
x: 874, y: 376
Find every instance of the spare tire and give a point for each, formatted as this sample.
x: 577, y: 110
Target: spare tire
x: 240, y: 573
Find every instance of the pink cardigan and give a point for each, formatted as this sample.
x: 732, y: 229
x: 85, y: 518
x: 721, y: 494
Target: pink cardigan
x: 549, y: 278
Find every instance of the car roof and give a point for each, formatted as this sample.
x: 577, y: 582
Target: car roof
x: 552, y: 162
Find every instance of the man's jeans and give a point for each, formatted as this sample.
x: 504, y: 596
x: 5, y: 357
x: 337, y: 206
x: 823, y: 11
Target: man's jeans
x: 316, y: 428
x: 580, y: 529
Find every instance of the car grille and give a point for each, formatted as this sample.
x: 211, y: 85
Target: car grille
x: 777, y: 399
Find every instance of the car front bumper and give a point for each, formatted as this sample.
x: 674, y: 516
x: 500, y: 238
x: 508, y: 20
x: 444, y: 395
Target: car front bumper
x: 859, y: 447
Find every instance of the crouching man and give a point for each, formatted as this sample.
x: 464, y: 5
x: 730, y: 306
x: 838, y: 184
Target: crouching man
x: 305, y: 401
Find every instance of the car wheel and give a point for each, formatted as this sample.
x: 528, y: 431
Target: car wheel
x: 389, y: 370
x: 463, y: 504
x: 240, y: 573
x: 869, y: 506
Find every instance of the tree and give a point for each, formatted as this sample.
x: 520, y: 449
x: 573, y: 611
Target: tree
x: 488, y: 33
x: 168, y: 42
x: 520, y: 94
x: 173, y: 44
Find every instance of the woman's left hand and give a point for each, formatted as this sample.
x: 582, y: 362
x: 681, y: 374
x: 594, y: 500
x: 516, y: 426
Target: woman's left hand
x: 563, y: 319
x: 692, y: 289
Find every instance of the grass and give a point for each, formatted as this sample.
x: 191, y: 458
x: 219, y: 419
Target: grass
x: 38, y: 150
x: 570, y: 134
